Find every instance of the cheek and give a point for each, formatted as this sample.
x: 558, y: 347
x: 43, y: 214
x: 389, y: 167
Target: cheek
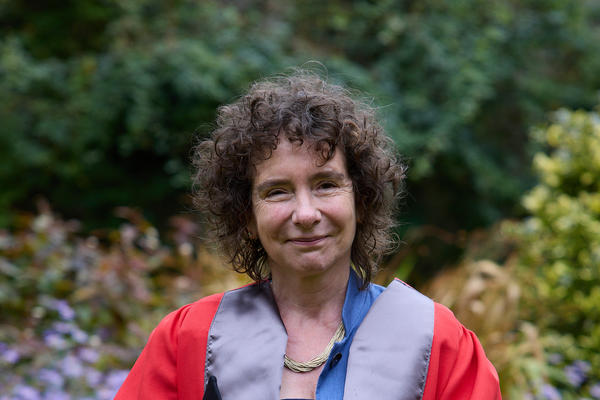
x: 350, y: 208
x: 268, y: 219
x: 344, y: 215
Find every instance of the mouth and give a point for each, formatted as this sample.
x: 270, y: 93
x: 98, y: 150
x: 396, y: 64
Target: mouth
x: 308, y: 241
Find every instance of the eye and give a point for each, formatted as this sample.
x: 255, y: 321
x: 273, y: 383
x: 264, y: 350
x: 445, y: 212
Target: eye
x: 275, y: 193
x: 325, y: 185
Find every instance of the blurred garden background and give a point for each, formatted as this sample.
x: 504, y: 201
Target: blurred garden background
x: 494, y: 104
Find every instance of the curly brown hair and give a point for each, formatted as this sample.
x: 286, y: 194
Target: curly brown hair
x: 304, y: 109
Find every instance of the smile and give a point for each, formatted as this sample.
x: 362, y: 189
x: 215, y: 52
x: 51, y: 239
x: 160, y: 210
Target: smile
x: 308, y: 241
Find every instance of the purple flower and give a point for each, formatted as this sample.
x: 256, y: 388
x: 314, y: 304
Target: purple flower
x: 62, y: 327
x: 65, y: 328
x: 550, y: 392
x: 72, y: 367
x: 11, y: 356
x: 24, y: 392
x: 574, y: 376
x: 93, y: 377
x: 78, y: 335
x: 51, y: 377
x: 116, y: 378
x: 57, y: 395
x: 583, y: 366
x: 55, y: 341
x: 89, y: 355
x: 595, y: 391
x: 64, y: 310
x: 106, y: 394
x: 576, y: 373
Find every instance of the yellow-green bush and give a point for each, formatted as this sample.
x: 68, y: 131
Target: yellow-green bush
x: 559, y: 255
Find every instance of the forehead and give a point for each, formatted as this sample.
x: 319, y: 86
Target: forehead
x: 295, y: 158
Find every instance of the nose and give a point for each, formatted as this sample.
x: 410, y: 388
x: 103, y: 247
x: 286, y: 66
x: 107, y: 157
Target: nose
x: 306, y: 213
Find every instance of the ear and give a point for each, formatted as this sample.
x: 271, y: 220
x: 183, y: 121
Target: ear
x: 357, y: 210
x: 251, y: 228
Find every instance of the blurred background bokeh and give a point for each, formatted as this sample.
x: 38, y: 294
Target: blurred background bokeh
x: 493, y: 103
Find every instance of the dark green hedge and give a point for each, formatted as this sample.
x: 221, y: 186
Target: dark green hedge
x: 99, y: 100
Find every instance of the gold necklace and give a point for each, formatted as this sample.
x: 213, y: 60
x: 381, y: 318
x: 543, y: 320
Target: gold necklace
x: 317, y: 361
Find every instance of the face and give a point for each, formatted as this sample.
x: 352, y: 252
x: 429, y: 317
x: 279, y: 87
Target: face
x: 303, y: 211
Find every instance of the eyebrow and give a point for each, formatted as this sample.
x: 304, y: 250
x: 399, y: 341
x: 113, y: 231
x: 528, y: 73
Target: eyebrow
x: 329, y: 175
x: 337, y: 176
x: 269, y: 183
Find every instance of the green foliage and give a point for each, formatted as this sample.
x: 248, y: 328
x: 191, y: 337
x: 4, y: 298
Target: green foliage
x: 560, y: 250
x: 99, y: 99
x: 112, y: 128
x: 465, y: 80
x: 58, y: 29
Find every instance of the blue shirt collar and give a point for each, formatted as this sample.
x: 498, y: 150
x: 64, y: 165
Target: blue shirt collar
x: 357, y: 302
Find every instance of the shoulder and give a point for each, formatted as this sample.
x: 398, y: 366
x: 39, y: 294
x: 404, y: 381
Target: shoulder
x: 175, y: 345
x: 401, y: 293
x: 448, y: 328
x: 198, y: 312
x: 458, y: 366
x: 195, y: 318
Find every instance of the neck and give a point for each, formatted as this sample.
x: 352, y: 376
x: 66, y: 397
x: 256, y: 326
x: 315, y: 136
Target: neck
x: 317, y: 297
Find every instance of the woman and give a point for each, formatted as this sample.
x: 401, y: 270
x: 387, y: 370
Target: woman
x: 300, y: 182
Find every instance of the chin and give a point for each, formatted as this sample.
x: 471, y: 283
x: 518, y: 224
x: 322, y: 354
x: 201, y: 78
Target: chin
x: 315, y: 267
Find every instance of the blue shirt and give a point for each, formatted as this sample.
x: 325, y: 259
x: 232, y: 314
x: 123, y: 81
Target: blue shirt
x: 358, y: 302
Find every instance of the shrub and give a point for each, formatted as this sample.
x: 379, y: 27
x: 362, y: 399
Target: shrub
x: 112, y: 123
x: 546, y: 345
x: 559, y: 255
x: 76, y: 310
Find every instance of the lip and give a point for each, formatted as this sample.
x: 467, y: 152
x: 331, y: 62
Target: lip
x: 307, y: 241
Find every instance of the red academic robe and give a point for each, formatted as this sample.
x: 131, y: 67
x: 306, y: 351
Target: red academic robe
x: 172, y: 365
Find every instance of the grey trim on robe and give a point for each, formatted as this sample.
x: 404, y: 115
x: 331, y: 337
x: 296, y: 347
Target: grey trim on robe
x: 389, y: 356
x: 249, y: 338
x: 388, y: 359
